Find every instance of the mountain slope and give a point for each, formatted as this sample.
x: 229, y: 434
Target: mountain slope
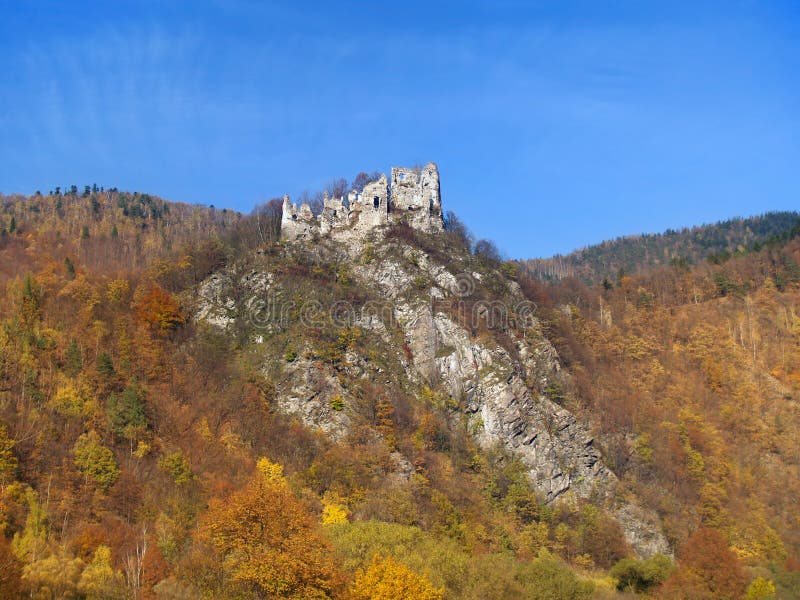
x: 637, y: 253
x: 393, y: 394
x: 462, y: 334
x: 691, y: 374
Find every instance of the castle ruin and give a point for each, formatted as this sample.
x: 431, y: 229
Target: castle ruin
x: 412, y: 197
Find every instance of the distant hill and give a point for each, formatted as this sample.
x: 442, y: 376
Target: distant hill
x: 689, y: 246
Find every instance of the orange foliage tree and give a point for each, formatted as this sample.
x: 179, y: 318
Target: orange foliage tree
x: 159, y: 309
x: 267, y: 541
x: 707, y: 568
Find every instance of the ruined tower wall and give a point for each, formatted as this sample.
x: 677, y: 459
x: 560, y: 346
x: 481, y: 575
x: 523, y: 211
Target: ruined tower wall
x: 431, y: 194
x: 335, y: 215
x: 405, y: 189
x: 372, y: 206
x: 296, y: 223
x: 414, y: 198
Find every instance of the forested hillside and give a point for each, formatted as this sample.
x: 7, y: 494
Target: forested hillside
x: 691, y: 375
x: 145, y: 453
x: 634, y: 254
x: 154, y: 444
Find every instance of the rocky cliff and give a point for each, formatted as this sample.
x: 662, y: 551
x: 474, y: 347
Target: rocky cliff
x: 433, y: 320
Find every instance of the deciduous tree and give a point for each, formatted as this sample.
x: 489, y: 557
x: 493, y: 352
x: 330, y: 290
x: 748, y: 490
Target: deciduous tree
x: 95, y: 461
x: 267, y: 541
x: 388, y: 579
x: 159, y: 309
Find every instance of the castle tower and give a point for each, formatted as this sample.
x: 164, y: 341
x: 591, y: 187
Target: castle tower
x: 296, y: 224
x: 416, y: 197
x: 334, y: 214
x: 372, y: 206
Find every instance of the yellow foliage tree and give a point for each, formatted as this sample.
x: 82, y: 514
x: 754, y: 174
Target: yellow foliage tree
x: 31, y: 543
x: 99, y: 581
x: 266, y: 540
x: 271, y: 471
x: 55, y: 576
x: 70, y: 400
x: 8, y: 461
x: 535, y: 537
x: 760, y: 589
x: 117, y: 290
x: 388, y: 579
x: 333, y: 510
x: 95, y: 461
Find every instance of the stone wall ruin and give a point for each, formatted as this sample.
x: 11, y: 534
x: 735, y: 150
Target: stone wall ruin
x: 412, y: 197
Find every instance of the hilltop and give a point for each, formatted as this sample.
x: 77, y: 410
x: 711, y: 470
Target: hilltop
x: 634, y: 254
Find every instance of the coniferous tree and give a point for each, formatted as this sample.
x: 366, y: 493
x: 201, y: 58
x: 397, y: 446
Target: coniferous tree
x: 127, y: 411
x: 31, y: 300
x: 105, y: 366
x: 73, y: 362
x: 70, y: 268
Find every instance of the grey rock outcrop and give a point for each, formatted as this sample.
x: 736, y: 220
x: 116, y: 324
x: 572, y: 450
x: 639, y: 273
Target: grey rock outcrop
x: 504, y: 400
x: 503, y: 408
x: 311, y: 394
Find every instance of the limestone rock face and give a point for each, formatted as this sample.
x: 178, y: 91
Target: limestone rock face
x: 502, y: 396
x: 503, y: 408
x: 216, y: 308
x: 641, y: 529
x: 500, y: 393
x: 387, y: 277
x: 311, y: 395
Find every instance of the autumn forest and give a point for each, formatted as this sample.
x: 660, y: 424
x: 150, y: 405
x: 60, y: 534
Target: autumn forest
x: 146, y: 452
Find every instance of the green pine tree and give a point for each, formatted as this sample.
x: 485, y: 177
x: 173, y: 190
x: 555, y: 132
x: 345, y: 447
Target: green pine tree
x: 70, y: 268
x: 126, y: 411
x: 105, y: 366
x: 73, y: 362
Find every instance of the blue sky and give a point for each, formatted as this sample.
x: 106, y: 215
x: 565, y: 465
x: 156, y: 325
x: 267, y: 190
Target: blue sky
x: 554, y: 124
